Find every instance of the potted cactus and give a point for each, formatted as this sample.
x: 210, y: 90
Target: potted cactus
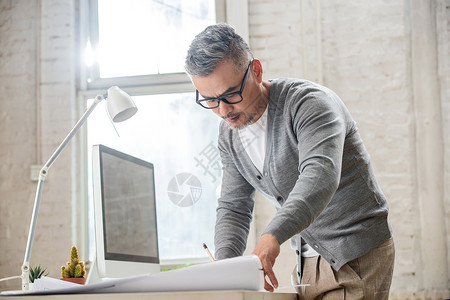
x: 74, y: 271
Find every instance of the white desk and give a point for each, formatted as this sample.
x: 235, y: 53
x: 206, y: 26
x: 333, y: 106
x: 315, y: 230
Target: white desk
x: 206, y: 295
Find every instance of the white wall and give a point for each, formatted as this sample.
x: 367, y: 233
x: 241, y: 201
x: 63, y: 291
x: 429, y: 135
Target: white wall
x: 388, y: 60
x: 36, y: 112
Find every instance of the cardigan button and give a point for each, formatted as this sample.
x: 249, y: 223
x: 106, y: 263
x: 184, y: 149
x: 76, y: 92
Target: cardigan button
x: 259, y: 177
x: 279, y: 198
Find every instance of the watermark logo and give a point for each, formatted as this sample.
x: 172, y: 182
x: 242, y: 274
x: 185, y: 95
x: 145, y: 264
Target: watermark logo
x: 209, y: 160
x: 184, y: 189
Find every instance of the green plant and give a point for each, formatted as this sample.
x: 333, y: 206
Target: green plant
x: 75, y: 268
x: 36, y: 273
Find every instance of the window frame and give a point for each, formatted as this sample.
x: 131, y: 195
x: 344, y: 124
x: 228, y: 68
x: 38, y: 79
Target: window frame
x: 89, y: 84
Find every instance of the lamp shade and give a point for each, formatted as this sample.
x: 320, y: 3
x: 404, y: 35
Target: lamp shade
x: 120, y: 105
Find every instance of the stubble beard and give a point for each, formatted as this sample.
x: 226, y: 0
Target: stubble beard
x: 249, y: 118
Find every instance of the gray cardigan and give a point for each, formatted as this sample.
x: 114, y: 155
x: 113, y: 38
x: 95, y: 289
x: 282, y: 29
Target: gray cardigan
x: 316, y: 172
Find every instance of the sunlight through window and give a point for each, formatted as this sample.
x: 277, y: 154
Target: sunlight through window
x: 139, y: 37
x: 151, y: 37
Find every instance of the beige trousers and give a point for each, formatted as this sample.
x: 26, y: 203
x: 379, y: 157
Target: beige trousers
x: 367, y: 277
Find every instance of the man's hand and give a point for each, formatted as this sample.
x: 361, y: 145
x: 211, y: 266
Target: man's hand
x: 267, y: 250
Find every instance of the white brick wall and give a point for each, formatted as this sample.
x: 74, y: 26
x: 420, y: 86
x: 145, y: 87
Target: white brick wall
x: 361, y: 49
x: 443, y: 37
x: 19, y: 31
x: 17, y: 120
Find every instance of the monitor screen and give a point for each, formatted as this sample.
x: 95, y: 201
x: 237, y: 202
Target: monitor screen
x: 125, y: 214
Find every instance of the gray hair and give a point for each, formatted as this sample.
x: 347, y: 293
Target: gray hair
x: 213, y: 45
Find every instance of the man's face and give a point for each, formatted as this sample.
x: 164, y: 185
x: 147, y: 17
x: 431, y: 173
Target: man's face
x: 225, y: 80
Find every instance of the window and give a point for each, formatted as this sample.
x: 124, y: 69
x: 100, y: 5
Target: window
x: 140, y: 46
x: 141, y: 43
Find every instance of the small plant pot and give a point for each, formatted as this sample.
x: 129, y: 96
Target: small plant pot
x: 81, y: 280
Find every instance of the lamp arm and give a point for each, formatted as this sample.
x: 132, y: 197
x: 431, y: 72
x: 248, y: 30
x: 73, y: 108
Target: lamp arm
x: 71, y: 134
x: 42, y: 175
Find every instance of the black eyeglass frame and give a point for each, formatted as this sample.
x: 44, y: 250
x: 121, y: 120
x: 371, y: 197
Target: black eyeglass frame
x: 222, y: 98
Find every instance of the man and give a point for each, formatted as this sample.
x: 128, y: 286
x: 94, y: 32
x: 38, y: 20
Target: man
x: 296, y: 143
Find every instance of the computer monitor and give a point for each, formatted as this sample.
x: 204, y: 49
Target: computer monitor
x: 125, y: 214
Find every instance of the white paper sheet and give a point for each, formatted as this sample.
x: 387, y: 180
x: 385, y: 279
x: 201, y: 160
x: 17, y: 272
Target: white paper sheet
x: 239, y: 273
x: 45, y: 283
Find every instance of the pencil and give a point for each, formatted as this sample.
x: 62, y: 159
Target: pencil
x: 209, y: 253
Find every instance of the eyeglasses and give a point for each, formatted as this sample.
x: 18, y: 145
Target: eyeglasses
x: 230, y: 98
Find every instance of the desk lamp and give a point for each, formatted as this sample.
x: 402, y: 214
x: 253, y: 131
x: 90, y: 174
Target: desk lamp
x: 120, y: 107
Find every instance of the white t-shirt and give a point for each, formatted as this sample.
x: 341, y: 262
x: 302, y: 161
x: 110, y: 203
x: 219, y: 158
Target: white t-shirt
x: 254, y: 140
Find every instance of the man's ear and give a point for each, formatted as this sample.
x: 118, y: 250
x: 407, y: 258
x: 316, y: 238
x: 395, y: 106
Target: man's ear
x: 257, y: 69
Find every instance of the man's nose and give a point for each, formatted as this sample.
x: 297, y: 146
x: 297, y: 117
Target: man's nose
x: 225, y: 108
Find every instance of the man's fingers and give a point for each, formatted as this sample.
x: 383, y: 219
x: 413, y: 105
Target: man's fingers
x: 268, y: 271
x: 267, y: 286
x: 267, y: 250
x: 273, y: 279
